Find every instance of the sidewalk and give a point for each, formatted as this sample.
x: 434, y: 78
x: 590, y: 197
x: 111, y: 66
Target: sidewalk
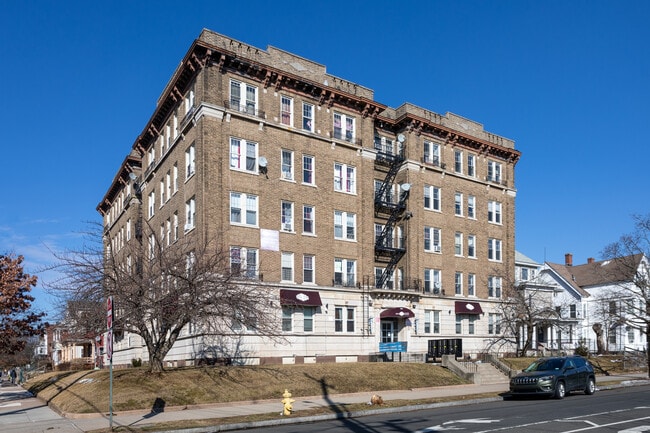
x: 21, y: 412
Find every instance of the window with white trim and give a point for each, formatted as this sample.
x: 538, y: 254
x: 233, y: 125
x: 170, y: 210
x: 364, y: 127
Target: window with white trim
x: 458, y: 283
x: 494, y: 171
x: 345, y: 272
x: 308, y: 170
x: 431, y: 197
x: 432, y: 280
x: 458, y: 204
x: 168, y: 230
x: 471, y: 165
x: 494, y: 212
x: 244, y: 262
x: 431, y: 321
x: 287, y: 216
x: 175, y: 175
x: 345, y: 225
x: 287, y: 318
x: 431, y: 153
x: 432, y: 240
x: 471, y: 246
x: 190, y: 214
x: 162, y: 193
x: 175, y: 225
x: 308, y: 220
x: 190, y: 164
x: 286, y: 110
x: 494, y: 287
x: 471, y: 285
x: 243, y: 155
x: 243, y: 209
x: 344, y: 178
x: 287, y: 267
x: 343, y: 319
x: 458, y: 161
x: 494, y: 323
x: 308, y: 319
x: 287, y: 164
x: 471, y: 207
x: 308, y: 117
x: 458, y: 244
x: 344, y: 127
x: 168, y: 185
x: 308, y: 269
x: 494, y: 249
x: 243, y: 97
x: 471, y: 328
x: 152, y: 203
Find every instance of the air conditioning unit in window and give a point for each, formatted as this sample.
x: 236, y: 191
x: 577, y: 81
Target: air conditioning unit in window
x: 286, y: 227
x: 188, y: 227
x: 437, y: 248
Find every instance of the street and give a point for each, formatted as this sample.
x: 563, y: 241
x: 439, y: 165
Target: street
x: 623, y: 410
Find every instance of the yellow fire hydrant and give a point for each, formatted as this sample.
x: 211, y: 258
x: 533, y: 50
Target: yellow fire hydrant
x: 286, y: 401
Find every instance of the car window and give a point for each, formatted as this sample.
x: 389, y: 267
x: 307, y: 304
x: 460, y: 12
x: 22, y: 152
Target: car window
x: 580, y: 362
x: 545, y: 365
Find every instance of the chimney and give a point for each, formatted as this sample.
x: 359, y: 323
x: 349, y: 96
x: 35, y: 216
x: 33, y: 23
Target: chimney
x: 590, y: 260
x: 568, y: 259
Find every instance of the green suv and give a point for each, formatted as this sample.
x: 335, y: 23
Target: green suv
x: 555, y: 377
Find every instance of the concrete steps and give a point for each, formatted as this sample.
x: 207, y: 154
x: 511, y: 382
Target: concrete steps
x: 487, y: 374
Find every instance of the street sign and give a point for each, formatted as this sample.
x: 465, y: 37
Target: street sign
x: 109, y: 313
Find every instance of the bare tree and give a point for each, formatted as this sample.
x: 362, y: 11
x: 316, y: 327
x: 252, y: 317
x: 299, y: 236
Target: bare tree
x: 159, y: 288
x: 629, y: 303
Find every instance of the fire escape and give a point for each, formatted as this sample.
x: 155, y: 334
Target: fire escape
x: 388, y: 249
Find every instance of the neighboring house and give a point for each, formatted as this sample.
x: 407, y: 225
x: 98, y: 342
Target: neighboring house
x: 526, y: 269
x: 379, y: 229
x: 598, y: 292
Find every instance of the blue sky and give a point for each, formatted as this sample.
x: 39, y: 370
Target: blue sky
x: 567, y: 80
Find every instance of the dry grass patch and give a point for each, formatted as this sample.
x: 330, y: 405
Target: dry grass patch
x: 135, y: 389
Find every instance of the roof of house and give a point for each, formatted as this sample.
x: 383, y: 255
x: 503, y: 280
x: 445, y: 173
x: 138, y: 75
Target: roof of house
x: 581, y: 277
x: 525, y: 260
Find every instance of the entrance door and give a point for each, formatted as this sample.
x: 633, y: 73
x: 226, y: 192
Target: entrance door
x: 388, y: 331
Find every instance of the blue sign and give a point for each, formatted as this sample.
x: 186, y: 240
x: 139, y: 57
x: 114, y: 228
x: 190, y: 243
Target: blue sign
x: 398, y: 346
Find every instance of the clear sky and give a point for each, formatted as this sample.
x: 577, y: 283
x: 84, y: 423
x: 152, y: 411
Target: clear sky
x: 569, y: 81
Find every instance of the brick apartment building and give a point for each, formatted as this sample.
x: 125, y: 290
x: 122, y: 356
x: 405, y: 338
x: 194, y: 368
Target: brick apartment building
x: 380, y: 229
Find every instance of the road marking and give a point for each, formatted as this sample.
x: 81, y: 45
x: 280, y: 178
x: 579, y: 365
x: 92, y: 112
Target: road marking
x: 9, y: 405
x: 449, y: 425
x: 640, y: 428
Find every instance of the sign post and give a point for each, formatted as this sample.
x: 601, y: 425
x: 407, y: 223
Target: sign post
x: 109, y: 355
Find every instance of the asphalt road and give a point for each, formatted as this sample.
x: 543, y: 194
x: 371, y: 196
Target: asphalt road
x: 623, y: 410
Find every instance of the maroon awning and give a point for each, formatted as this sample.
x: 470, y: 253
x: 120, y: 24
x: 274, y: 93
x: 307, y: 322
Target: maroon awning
x: 466, y: 307
x: 396, y: 313
x: 305, y: 298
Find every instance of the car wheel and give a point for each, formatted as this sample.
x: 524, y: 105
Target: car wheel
x: 560, y: 390
x: 591, y: 387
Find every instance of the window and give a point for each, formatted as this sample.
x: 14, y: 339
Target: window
x: 344, y: 272
x: 471, y: 207
x: 243, y: 262
x: 471, y: 327
x: 308, y: 269
x: 471, y: 165
x: 287, y: 217
x: 458, y: 204
x: 459, y: 324
x: 471, y: 246
x: 308, y: 225
x: 243, y: 155
x: 308, y: 170
x: 431, y: 197
x: 343, y: 319
x: 344, y: 178
x: 168, y: 230
x: 175, y: 174
x: 432, y: 322
x: 458, y: 244
x: 432, y: 240
x: 189, y: 100
x: 494, y: 287
x: 308, y: 319
x: 128, y: 229
x: 343, y: 127
x: 345, y: 225
x: 168, y: 185
x: 162, y: 193
x: 458, y: 283
x: 243, y: 209
x: 308, y: 117
x: 189, y: 162
x: 152, y: 246
x: 471, y: 285
x: 152, y: 203
x: 494, y: 323
x: 243, y: 97
x: 494, y: 212
x: 286, y: 110
x: 432, y: 282
x: 431, y: 153
x: 494, y: 172
x: 458, y: 161
x: 494, y: 250
x: 287, y: 165
x: 572, y: 311
x: 389, y: 282
x: 287, y: 319
x: 287, y: 267
x: 190, y: 214
x: 175, y: 222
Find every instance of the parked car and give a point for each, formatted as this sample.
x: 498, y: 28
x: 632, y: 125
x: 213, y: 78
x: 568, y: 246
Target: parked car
x: 555, y: 376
